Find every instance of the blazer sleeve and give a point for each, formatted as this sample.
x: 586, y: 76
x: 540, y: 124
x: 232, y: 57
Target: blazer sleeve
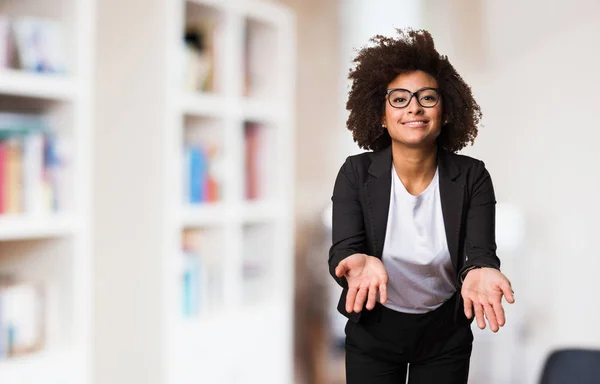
x: 480, y: 230
x: 348, y: 228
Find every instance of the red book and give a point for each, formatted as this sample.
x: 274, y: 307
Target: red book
x: 252, y: 146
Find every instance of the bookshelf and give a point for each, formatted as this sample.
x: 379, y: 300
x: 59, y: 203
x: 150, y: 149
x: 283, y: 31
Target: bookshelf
x: 45, y: 129
x: 19, y: 227
x: 193, y: 247
x: 30, y: 85
x: 245, y: 235
x: 248, y: 231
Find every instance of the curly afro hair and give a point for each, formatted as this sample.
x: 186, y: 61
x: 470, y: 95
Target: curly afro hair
x: 377, y: 65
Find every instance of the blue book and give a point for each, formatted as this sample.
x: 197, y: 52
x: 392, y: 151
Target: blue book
x: 191, y: 284
x: 198, y: 166
x: 194, y: 169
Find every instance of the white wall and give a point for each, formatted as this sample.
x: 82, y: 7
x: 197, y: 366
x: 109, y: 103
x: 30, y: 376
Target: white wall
x: 535, y: 75
x: 361, y: 20
x: 533, y: 67
x: 316, y: 121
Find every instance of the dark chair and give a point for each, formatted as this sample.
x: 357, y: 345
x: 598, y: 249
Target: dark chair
x: 572, y: 366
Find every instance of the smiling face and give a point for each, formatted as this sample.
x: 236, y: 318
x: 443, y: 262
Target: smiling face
x: 413, y: 126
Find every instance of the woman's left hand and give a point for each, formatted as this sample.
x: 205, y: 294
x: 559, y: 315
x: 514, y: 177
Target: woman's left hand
x: 482, y: 290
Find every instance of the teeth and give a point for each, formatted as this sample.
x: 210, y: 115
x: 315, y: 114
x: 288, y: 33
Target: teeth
x: 416, y: 123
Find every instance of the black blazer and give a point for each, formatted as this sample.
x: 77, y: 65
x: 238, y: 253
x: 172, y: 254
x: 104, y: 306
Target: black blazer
x: 361, y: 199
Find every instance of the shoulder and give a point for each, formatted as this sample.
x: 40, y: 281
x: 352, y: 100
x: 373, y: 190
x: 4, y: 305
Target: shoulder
x: 375, y: 162
x: 360, y: 159
x: 359, y: 162
x: 468, y: 170
x: 355, y: 170
x: 465, y: 164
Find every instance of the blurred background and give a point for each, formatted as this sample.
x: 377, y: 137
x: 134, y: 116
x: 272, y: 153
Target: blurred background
x: 166, y: 169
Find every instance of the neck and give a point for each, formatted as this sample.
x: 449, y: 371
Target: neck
x: 414, y: 163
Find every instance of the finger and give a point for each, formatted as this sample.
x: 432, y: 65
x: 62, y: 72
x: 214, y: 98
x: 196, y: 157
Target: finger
x: 479, y: 316
x: 372, y: 297
x: 341, y: 269
x: 499, y: 311
x: 361, y: 296
x: 468, y: 305
x: 508, y: 292
x: 383, y: 293
x: 350, y: 298
x: 491, y: 317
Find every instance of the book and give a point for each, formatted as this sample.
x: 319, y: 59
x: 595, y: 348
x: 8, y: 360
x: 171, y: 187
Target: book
x: 199, y: 55
x: 22, y: 319
x: 201, y: 174
x: 39, y: 44
x: 32, y: 164
x: 261, y: 169
x: 201, y: 272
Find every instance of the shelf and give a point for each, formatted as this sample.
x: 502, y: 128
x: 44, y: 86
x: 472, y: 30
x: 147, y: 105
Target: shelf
x: 189, y: 326
x: 200, y: 104
x: 19, y: 227
x: 203, y: 215
x: 47, y: 367
x: 203, y: 105
x: 265, y: 12
x: 36, y: 85
x: 261, y: 211
x: 262, y: 110
x: 217, y: 213
x: 217, y: 106
x: 217, y: 4
x: 193, y: 327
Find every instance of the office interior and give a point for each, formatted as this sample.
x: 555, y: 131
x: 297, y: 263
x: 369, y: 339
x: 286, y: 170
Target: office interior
x: 166, y: 171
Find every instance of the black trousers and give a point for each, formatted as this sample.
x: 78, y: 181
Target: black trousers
x: 385, y: 345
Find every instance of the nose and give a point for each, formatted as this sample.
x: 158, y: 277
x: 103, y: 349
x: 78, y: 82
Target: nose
x: 413, y: 106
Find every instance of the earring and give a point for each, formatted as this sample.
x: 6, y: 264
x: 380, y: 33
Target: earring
x: 383, y: 126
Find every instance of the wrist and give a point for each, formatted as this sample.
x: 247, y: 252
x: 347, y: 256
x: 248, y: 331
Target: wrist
x: 464, y: 273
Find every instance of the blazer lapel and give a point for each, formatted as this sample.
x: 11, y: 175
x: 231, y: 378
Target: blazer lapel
x: 452, y: 194
x: 378, y: 188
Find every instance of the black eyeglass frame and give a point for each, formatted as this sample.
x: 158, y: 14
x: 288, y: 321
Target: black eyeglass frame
x: 416, y: 93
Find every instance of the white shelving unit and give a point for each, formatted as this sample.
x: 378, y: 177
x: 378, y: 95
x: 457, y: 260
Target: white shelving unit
x: 21, y: 227
x: 31, y: 85
x: 53, y: 249
x: 146, y: 116
x: 248, y: 337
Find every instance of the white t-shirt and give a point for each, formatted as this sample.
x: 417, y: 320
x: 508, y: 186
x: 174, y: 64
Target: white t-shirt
x: 415, y: 252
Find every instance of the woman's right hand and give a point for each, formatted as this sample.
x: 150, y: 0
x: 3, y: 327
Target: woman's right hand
x: 366, y: 275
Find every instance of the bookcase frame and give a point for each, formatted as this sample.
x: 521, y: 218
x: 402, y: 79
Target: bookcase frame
x: 249, y: 339
x: 143, y: 114
x: 55, y: 248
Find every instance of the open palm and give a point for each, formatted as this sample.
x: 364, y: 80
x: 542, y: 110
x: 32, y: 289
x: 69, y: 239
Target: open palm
x: 482, y: 292
x: 366, y: 276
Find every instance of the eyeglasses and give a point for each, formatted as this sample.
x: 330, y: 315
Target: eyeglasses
x: 401, y: 98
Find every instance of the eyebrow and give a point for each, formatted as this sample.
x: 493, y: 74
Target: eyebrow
x: 406, y: 89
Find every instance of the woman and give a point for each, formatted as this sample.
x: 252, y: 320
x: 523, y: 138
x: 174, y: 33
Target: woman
x: 413, y: 223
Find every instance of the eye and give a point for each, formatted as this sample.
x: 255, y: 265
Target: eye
x: 428, y: 96
x: 399, y: 100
